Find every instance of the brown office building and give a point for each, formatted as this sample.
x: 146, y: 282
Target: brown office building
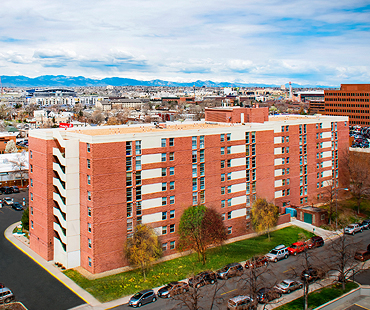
x: 351, y: 100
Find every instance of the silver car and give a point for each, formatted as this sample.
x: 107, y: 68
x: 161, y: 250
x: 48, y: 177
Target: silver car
x: 6, y: 295
x: 278, y: 253
x: 352, y: 229
x: 288, y: 286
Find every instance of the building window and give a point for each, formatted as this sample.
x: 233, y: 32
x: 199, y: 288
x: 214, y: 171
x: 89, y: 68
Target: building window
x: 89, y: 259
x: 163, y: 158
x: 172, y: 214
x: 222, y: 203
x: 202, y: 183
x: 164, y: 215
x: 31, y: 154
x: 228, y: 163
x: 31, y: 182
x: 172, y: 228
x: 138, y: 162
x: 201, y: 156
x: 228, y: 136
x: 223, y: 216
x: 88, y: 164
x: 164, y: 186
x: 164, y: 201
x: 32, y: 224
x: 163, y: 142
x: 31, y: 196
x: 222, y: 137
x: 172, y: 200
x: 195, y: 199
x: 89, y: 211
x: 223, y: 190
x: 129, y: 209
x: 138, y: 147
x: 172, y: 156
x: 229, y: 189
x: 164, y: 246
x: 164, y: 230
x: 138, y: 209
x: 88, y: 179
x: 222, y: 177
x: 222, y: 150
x: 229, y: 215
x: 31, y: 210
x: 88, y: 195
x: 201, y: 142
x: 229, y: 230
x: 138, y: 192
x: 194, y: 156
x: 31, y: 168
x: 164, y: 172
x: 194, y: 143
x: 172, y: 185
x: 172, y: 142
x: 229, y: 202
x: 88, y: 227
x: 88, y: 147
x: 89, y: 243
x: 172, y: 170
x: 229, y: 150
x: 222, y: 164
x: 172, y: 245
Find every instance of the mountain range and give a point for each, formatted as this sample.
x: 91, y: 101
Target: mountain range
x: 76, y: 81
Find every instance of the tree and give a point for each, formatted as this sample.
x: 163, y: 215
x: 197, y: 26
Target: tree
x: 357, y: 174
x: 199, y: 228
x: 342, y: 252
x: 264, y: 216
x: 329, y: 198
x: 11, y: 147
x: 20, y: 166
x: 143, y: 248
x: 25, y: 220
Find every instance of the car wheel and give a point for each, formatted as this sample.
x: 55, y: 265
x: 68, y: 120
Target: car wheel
x: 286, y: 256
x: 275, y: 260
x: 353, y: 233
x: 154, y: 299
x: 139, y: 305
x: 212, y: 281
x: 197, y: 285
x: 301, y: 286
x: 361, y: 230
x: 265, y: 263
x: 295, y: 253
x: 184, y: 290
x: 288, y: 291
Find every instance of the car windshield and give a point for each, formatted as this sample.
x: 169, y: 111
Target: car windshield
x: 138, y: 295
x: 284, y: 284
x: 224, y: 269
x: 274, y: 252
x: 293, y: 246
x: 351, y: 226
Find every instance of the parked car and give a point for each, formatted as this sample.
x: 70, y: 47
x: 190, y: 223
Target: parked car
x: 352, y: 229
x: 15, y: 189
x: 314, y: 242
x: 142, y: 298
x: 256, y: 262
x: 241, y: 302
x: 203, y: 278
x: 365, y: 224
x: 297, y: 247
x: 266, y: 294
x: 17, y: 206
x: 312, y: 274
x: 362, y: 255
x: 287, y: 286
x: 6, y: 190
x: 8, y: 201
x: 230, y: 270
x: 279, y: 252
x: 173, y: 288
x: 6, y: 295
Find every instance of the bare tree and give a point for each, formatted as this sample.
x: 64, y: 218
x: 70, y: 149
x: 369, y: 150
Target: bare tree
x: 19, y: 164
x: 342, y: 257
x: 329, y: 198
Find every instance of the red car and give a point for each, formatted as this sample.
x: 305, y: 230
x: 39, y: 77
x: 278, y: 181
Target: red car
x: 297, y: 247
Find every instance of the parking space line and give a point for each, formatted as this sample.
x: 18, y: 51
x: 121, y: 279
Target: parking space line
x: 229, y: 292
x: 362, y: 307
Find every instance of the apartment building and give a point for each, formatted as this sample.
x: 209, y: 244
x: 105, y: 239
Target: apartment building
x: 351, y: 100
x: 89, y: 187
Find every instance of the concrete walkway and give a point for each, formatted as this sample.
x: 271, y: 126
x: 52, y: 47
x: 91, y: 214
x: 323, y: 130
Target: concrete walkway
x: 325, y: 234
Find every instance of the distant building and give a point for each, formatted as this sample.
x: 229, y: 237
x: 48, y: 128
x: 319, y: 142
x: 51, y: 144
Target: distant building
x: 351, y: 100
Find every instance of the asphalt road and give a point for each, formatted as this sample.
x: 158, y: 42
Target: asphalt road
x: 284, y: 269
x: 30, y: 283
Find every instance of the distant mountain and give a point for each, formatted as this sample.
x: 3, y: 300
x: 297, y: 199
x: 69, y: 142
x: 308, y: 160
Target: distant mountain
x: 75, y: 81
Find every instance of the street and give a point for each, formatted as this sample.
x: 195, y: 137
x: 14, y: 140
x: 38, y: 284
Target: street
x: 284, y: 269
x: 30, y: 283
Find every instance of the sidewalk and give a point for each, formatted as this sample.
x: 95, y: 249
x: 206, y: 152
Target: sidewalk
x: 325, y: 234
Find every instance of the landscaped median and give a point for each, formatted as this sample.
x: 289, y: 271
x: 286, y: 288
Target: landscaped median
x: 127, y: 283
x: 319, y: 297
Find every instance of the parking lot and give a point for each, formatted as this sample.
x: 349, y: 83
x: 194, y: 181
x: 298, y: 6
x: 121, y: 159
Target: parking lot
x: 17, y: 197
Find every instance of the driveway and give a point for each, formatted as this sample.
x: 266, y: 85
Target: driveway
x: 30, y: 283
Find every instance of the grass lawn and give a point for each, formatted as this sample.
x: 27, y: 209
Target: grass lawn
x: 119, y: 285
x: 319, y: 297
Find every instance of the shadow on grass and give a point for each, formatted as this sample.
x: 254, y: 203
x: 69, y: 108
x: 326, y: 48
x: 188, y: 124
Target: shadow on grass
x: 127, y: 283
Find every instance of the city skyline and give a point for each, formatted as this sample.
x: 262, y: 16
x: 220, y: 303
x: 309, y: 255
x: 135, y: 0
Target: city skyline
x: 254, y: 42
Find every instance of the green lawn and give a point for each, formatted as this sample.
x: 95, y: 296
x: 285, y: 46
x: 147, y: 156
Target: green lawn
x: 319, y: 297
x: 119, y: 285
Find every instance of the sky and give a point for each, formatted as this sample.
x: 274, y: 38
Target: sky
x: 251, y: 41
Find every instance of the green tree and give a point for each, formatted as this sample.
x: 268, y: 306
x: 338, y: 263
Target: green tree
x: 264, y: 216
x: 143, y: 248
x: 25, y: 220
x: 201, y: 227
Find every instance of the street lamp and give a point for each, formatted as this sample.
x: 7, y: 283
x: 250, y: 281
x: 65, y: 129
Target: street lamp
x: 336, y: 205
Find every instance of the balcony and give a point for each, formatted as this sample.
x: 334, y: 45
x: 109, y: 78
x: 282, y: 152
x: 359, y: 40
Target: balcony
x: 60, y: 232
x: 58, y: 169
x: 60, y: 202
x: 60, y: 156
x: 59, y: 185
x: 60, y: 217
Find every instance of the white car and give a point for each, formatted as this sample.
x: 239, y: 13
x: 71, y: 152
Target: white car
x: 8, y: 201
x: 352, y: 229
